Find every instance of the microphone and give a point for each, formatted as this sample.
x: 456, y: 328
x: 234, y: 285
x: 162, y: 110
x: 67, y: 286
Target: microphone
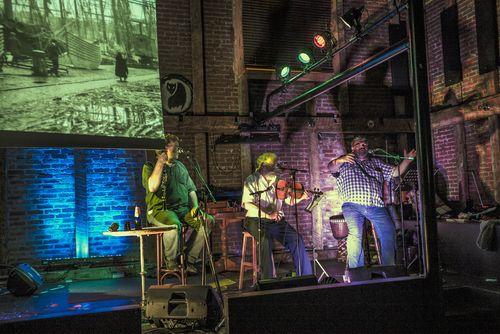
x: 180, y: 150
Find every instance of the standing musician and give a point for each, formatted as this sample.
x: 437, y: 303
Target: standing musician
x: 273, y: 224
x: 171, y: 200
x: 360, y: 180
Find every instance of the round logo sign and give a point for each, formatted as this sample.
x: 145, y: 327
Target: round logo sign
x: 177, y: 93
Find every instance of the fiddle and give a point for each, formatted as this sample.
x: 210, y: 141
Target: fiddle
x: 285, y: 189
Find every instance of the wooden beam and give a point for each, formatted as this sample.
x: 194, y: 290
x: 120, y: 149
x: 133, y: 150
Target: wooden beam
x: 214, y: 123
x: 314, y: 172
x: 240, y: 74
x: 461, y: 165
x: 494, y: 129
x: 197, y: 58
x: 377, y: 125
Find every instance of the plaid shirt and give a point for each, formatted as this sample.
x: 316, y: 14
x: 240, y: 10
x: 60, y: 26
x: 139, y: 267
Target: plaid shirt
x: 357, y: 187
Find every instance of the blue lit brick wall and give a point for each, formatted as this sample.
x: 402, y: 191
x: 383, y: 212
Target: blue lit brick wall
x: 58, y: 202
x: 113, y: 188
x: 40, y: 204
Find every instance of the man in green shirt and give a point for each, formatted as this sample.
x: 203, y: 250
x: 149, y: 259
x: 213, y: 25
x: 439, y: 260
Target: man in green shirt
x: 171, y: 200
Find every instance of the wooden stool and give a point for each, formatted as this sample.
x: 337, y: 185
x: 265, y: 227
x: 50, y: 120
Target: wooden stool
x: 180, y: 273
x: 253, y: 265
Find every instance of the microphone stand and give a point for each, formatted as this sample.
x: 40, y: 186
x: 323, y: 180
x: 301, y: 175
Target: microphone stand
x: 205, y: 190
x: 398, y: 159
x: 259, y: 258
x: 293, y: 172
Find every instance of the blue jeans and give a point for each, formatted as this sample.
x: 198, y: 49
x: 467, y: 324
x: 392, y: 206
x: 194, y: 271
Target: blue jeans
x: 354, y: 215
x: 286, y: 235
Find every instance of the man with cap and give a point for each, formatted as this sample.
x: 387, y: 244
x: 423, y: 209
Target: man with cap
x: 360, y: 181
x: 273, y: 224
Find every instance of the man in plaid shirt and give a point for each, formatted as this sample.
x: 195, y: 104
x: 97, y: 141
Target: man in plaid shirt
x: 360, y: 180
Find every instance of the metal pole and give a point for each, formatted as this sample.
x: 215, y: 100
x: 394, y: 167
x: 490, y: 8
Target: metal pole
x: 337, y: 79
x: 423, y: 130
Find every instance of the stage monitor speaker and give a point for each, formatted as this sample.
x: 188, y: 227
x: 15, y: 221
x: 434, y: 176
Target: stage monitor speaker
x: 192, y: 302
x: 23, y: 280
x: 287, y: 282
x: 375, y: 272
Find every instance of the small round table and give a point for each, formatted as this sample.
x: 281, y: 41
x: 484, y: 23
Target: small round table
x: 155, y: 230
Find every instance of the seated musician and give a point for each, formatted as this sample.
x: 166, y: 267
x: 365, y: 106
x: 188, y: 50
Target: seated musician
x: 274, y: 226
x: 360, y: 180
x: 171, y: 200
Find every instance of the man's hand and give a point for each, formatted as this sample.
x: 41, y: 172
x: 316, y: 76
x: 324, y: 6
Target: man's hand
x: 277, y: 215
x: 349, y: 158
x: 194, y: 211
x: 162, y: 158
x: 410, y: 155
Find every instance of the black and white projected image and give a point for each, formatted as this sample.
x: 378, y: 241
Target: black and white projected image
x: 86, y: 67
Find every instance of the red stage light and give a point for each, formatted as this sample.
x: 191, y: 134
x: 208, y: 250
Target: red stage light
x: 319, y: 41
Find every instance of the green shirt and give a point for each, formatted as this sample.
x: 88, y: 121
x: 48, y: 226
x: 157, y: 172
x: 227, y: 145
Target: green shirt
x: 178, y: 186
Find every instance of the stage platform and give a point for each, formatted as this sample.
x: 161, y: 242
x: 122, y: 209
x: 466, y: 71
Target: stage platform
x: 115, y: 303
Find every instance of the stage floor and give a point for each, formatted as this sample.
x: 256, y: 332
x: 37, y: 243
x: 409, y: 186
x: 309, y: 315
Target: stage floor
x: 76, y: 298
x: 73, y: 298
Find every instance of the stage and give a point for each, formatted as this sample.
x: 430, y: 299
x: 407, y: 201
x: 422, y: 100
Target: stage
x: 115, y: 303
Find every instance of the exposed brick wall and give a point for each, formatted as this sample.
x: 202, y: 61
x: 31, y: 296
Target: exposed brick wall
x: 472, y: 83
x: 174, y: 37
x: 48, y: 191
x: 445, y: 153
x: 479, y: 161
x: 40, y: 201
x: 113, y: 188
x: 370, y: 45
x: 222, y: 91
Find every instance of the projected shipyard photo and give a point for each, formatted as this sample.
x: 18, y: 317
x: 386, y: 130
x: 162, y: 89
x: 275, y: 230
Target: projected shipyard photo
x: 87, y: 67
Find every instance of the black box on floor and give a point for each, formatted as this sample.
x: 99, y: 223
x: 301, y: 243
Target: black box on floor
x: 375, y: 272
x: 287, y: 282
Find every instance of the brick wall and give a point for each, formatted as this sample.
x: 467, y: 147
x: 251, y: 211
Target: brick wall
x: 445, y: 153
x: 40, y: 202
x: 174, y: 37
x: 479, y: 161
x: 472, y: 83
x: 221, y: 89
x: 469, y: 94
x: 55, y: 198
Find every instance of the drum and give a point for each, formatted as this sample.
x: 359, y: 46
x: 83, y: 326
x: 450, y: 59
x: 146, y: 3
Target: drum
x: 339, y: 227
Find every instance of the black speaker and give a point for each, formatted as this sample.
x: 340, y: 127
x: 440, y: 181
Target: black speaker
x: 192, y: 302
x: 23, y: 280
x: 287, y: 282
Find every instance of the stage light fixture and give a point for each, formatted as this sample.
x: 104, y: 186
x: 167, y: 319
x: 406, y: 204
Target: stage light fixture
x: 305, y: 57
x: 352, y: 18
x: 283, y: 71
x: 324, y: 41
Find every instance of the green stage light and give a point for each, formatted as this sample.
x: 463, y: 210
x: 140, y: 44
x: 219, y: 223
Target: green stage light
x: 305, y: 57
x: 283, y: 71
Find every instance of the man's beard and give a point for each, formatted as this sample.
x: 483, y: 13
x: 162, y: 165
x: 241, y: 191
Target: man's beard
x: 361, y: 154
x: 267, y: 169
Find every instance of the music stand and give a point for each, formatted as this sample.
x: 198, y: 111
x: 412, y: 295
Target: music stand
x: 409, y: 182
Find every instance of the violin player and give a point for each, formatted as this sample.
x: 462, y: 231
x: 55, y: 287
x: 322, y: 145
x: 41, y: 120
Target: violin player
x: 273, y: 224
